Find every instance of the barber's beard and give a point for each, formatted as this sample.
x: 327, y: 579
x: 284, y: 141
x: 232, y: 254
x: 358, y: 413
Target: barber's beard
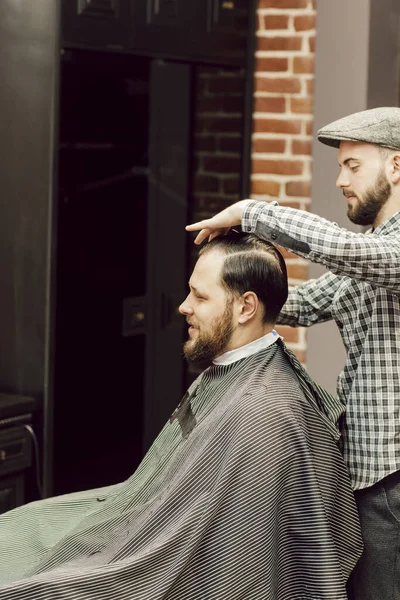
x: 365, y: 211
x: 213, y: 342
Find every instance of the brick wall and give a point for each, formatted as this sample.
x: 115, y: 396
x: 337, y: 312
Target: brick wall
x: 217, y: 141
x: 282, y: 125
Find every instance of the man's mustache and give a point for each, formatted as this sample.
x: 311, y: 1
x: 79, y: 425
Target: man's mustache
x: 348, y: 193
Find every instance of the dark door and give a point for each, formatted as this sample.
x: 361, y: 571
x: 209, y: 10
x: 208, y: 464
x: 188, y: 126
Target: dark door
x: 121, y: 261
x: 169, y: 161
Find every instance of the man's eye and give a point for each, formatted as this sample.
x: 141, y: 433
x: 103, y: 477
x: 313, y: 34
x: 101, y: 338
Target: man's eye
x: 199, y: 297
x: 354, y: 169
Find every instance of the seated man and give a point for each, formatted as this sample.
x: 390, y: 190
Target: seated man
x: 243, y: 495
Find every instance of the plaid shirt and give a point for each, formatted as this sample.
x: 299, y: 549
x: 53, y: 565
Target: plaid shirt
x: 361, y: 292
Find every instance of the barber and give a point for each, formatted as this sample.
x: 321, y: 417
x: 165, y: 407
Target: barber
x: 361, y: 292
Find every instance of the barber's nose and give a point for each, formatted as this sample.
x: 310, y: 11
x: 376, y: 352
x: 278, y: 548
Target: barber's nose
x: 185, y: 308
x: 342, y: 181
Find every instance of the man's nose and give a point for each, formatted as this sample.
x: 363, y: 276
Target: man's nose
x: 342, y: 181
x: 185, y: 308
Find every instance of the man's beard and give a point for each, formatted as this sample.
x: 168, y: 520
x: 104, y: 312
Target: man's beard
x: 365, y: 211
x: 213, y: 343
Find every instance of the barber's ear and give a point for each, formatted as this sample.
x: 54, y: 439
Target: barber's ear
x: 248, y: 307
x: 395, y: 168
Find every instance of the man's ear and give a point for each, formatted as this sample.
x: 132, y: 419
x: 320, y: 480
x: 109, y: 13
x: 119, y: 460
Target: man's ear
x: 395, y: 172
x: 249, y: 306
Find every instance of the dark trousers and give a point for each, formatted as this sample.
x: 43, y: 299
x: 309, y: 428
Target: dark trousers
x: 377, y: 573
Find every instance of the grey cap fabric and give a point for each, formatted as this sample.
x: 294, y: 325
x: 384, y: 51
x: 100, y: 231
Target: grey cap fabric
x: 379, y: 126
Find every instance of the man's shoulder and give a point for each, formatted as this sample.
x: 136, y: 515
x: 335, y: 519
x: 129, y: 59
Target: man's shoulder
x: 272, y: 383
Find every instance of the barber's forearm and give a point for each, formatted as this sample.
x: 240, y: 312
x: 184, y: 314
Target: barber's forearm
x: 310, y: 302
x: 364, y: 257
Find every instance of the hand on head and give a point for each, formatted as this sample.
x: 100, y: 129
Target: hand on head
x: 220, y: 224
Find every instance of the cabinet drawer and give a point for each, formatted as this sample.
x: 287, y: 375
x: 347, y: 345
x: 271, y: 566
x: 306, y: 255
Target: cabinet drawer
x: 15, y: 450
x: 11, y: 492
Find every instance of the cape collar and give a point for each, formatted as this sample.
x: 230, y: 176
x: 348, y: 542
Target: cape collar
x: 244, y: 351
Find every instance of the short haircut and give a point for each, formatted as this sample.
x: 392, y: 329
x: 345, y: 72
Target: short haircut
x: 252, y: 265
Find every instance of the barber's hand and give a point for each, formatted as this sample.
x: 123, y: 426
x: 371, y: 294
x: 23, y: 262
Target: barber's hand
x: 220, y: 224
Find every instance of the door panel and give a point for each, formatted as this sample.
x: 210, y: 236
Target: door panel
x: 168, y: 191
x: 100, y: 350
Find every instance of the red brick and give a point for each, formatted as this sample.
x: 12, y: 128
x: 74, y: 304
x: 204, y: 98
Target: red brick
x: 206, y: 104
x: 302, y: 105
x: 299, y: 188
x: 205, y: 143
x: 303, y: 64
x: 276, y: 21
x: 291, y: 334
x: 218, y: 125
x: 273, y: 104
x: 221, y: 164
x: 276, y: 126
x: 232, y: 103
x: 311, y: 44
x: 309, y: 127
x: 265, y: 187
x: 231, y: 186
x: 206, y: 183
x: 226, y: 85
x: 225, y: 104
x: 310, y: 87
x: 297, y: 271
x: 286, y: 44
x: 282, y: 3
x: 304, y: 22
x: 302, y: 147
x: 276, y: 146
x: 278, y: 167
x: 271, y: 64
x: 230, y: 144
x: 283, y: 85
x: 210, y: 205
x: 260, y: 22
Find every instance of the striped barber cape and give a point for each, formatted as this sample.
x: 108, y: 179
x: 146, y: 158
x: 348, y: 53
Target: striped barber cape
x: 243, y: 496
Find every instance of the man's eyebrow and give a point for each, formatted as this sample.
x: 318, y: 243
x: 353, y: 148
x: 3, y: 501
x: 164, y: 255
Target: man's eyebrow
x: 195, y: 289
x: 345, y: 162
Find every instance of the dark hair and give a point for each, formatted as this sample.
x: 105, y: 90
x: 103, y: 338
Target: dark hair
x: 253, y: 265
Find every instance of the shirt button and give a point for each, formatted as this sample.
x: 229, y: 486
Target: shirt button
x: 274, y: 236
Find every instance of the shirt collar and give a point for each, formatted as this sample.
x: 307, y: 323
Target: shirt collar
x: 244, y: 351
x: 391, y: 225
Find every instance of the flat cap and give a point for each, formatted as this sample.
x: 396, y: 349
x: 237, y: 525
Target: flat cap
x: 379, y: 126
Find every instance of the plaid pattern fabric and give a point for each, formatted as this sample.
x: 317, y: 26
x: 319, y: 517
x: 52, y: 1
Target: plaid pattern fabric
x: 361, y: 293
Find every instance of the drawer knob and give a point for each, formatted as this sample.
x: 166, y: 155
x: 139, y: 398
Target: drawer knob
x: 3, y: 455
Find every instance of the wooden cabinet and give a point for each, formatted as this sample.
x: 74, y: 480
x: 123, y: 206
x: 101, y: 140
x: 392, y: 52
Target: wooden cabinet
x: 100, y: 23
x: 15, y: 458
x: 191, y: 30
